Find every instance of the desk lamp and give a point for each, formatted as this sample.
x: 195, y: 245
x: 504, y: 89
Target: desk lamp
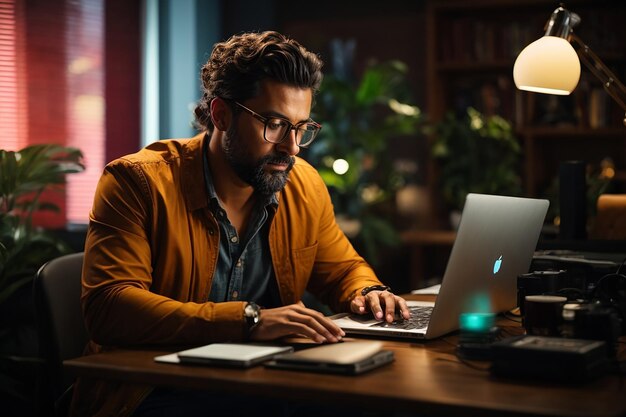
x: 551, y: 65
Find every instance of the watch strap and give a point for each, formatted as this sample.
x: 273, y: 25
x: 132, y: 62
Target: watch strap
x: 371, y: 288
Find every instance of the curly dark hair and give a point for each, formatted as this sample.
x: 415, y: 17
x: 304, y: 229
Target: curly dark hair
x: 237, y: 66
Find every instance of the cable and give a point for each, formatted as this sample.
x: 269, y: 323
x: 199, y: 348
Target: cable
x: 571, y: 293
x: 610, y: 291
x: 513, y: 319
x: 620, y: 266
x: 509, y: 333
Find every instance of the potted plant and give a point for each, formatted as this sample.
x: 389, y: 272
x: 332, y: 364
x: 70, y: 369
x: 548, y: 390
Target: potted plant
x: 359, y: 118
x: 24, y: 248
x: 475, y: 153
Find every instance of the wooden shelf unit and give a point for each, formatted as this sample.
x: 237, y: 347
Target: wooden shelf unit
x: 471, y: 49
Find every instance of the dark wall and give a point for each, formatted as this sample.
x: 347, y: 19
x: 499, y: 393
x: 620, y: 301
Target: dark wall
x: 388, y: 30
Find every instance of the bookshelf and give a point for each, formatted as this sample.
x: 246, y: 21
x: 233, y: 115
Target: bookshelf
x: 470, y: 51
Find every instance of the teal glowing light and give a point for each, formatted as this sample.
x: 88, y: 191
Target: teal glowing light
x: 476, y: 322
x: 478, y: 303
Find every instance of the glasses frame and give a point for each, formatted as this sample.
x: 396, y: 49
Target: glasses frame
x: 295, y: 127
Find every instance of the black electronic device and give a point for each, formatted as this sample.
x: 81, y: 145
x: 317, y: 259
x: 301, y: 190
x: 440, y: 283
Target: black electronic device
x: 610, y: 292
x: 539, y: 283
x: 567, y: 272
x: 476, y: 345
x: 592, y: 281
x: 597, y: 322
x: 573, y: 200
x: 549, y: 358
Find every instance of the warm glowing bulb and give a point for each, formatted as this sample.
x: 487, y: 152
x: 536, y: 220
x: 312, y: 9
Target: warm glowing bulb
x: 340, y: 166
x: 549, y: 65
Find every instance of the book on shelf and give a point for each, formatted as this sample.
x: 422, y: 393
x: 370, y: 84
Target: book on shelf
x: 484, y: 41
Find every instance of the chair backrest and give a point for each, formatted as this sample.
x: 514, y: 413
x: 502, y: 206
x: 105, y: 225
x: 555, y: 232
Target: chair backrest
x: 62, y: 332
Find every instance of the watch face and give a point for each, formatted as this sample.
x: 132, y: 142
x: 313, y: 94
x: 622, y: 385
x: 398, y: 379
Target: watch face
x: 252, y: 313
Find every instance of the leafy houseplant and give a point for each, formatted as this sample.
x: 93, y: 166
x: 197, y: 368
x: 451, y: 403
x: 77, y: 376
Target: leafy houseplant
x: 477, y: 154
x: 24, y: 175
x: 359, y: 118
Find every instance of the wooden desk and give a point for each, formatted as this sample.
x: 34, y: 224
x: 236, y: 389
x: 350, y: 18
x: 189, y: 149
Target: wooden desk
x: 426, y: 379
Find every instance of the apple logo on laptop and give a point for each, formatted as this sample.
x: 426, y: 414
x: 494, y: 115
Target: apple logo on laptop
x: 497, y: 264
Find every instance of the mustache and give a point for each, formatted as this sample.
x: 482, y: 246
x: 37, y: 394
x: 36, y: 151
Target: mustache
x: 278, y: 159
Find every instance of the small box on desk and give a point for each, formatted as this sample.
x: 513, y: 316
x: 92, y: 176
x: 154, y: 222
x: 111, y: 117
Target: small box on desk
x: 549, y: 358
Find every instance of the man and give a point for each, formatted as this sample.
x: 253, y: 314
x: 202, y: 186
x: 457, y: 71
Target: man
x: 217, y: 237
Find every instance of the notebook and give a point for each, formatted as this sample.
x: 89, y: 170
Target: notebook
x: 226, y: 354
x: 494, y: 244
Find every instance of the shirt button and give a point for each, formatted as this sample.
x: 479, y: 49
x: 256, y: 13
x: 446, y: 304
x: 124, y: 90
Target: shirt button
x: 235, y: 294
x: 234, y: 239
x: 239, y: 263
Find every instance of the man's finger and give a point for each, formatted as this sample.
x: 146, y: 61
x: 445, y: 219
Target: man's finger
x: 373, y: 299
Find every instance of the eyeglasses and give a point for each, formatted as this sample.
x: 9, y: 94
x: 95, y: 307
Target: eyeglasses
x: 277, y: 129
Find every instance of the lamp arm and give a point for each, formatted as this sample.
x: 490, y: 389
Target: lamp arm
x: 612, y: 85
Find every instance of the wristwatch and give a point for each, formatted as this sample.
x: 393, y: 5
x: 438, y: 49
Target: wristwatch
x: 252, y: 314
x: 371, y: 288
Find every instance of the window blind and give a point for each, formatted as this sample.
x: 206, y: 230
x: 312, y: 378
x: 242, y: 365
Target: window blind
x: 13, y: 128
x: 52, y: 90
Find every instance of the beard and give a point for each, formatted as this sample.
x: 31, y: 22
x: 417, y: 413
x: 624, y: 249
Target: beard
x: 252, y: 171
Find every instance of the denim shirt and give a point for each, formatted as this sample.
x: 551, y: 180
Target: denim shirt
x: 244, y: 269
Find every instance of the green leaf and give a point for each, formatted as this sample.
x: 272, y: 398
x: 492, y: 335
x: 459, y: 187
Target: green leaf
x: 360, y: 117
x: 476, y: 154
x: 24, y: 175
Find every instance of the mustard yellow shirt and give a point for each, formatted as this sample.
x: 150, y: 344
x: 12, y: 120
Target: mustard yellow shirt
x: 151, y: 252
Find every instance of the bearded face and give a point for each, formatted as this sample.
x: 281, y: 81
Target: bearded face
x: 257, y: 172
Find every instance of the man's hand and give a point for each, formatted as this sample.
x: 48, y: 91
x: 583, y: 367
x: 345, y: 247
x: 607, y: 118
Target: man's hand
x: 382, y: 304
x: 296, y: 319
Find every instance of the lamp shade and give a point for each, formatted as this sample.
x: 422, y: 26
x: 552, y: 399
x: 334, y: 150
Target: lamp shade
x: 548, y: 65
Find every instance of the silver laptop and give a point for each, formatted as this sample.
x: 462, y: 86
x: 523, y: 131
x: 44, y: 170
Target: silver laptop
x: 494, y: 244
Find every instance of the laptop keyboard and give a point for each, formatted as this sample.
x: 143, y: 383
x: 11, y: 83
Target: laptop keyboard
x: 420, y: 316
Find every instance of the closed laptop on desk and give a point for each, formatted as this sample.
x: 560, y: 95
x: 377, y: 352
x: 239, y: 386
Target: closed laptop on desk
x: 494, y: 244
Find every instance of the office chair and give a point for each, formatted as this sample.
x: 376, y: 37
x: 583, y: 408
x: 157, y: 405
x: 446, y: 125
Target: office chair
x: 62, y: 332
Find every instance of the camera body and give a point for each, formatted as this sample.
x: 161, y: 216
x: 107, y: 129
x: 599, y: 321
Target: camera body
x: 550, y: 282
x: 595, y: 321
x: 602, y: 315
